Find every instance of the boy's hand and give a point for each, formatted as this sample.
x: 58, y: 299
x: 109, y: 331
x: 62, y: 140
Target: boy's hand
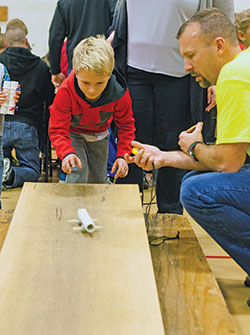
x: 70, y: 161
x: 3, y: 97
x: 122, y: 168
x: 18, y: 92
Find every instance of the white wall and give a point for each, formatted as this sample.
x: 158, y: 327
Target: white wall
x: 241, y: 5
x: 37, y: 15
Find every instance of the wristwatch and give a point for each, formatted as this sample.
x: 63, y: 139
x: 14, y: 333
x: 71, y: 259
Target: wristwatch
x: 191, y: 149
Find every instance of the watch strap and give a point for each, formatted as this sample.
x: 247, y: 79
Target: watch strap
x: 191, y: 149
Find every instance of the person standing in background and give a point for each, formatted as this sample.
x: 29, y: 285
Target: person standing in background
x: 21, y: 129
x: 2, y: 45
x: 4, y: 76
x: 76, y: 20
x: 242, y: 25
x: 18, y: 23
x: 165, y: 99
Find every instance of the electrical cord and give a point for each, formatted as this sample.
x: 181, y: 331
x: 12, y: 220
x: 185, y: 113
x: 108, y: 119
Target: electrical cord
x: 152, y: 197
x: 155, y: 241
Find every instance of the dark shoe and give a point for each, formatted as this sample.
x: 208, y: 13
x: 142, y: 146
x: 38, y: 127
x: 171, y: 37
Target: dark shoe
x: 248, y: 302
x: 247, y: 281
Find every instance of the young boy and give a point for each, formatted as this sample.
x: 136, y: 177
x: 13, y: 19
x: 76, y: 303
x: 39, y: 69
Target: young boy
x: 83, y: 109
x: 4, y: 76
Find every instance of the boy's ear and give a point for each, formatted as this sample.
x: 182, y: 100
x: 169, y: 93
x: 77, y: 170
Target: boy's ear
x: 241, y: 35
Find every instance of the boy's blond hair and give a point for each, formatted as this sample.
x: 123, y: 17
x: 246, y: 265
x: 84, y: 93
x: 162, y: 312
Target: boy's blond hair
x: 94, y: 54
x: 15, y: 36
x: 17, y: 23
x: 242, y: 20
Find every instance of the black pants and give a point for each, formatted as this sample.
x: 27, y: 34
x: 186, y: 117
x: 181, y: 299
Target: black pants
x: 161, y: 106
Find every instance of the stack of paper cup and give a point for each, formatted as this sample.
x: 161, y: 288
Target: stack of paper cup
x: 8, y: 107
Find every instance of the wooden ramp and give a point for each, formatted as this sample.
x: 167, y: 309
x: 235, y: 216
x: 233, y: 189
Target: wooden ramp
x: 5, y: 219
x: 190, y: 299
x: 58, y: 281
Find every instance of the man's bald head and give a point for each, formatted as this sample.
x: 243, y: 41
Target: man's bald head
x: 213, y: 23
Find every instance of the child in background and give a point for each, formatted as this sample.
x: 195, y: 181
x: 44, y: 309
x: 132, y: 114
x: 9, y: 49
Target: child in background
x: 242, y: 25
x: 83, y: 109
x: 4, y: 76
x: 2, y: 44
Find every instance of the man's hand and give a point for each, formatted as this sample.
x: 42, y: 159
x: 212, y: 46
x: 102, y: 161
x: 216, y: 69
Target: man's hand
x: 186, y: 138
x: 121, y: 168
x: 211, y: 98
x: 57, y: 79
x: 70, y: 161
x: 147, y: 156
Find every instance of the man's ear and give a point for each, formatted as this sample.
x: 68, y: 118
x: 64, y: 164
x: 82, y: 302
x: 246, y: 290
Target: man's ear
x: 6, y: 44
x: 220, y: 45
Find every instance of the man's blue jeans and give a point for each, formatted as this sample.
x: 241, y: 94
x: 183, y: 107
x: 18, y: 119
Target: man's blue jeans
x: 220, y: 203
x: 24, y: 139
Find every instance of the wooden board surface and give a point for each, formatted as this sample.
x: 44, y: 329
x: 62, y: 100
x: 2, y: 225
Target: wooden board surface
x: 5, y: 219
x: 190, y: 298
x: 58, y: 281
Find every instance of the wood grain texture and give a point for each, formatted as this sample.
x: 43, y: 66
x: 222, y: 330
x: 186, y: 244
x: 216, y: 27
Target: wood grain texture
x: 190, y: 299
x: 58, y: 281
x: 5, y: 219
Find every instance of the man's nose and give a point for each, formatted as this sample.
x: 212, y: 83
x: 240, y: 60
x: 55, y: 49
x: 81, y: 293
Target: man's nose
x: 188, y: 65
